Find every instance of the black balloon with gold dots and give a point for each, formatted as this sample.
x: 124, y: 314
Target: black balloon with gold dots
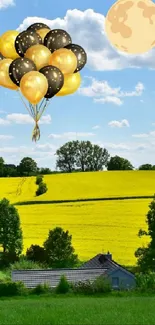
x: 19, y: 67
x: 57, y: 39
x: 55, y: 80
x: 80, y: 55
x: 25, y: 40
x: 37, y: 26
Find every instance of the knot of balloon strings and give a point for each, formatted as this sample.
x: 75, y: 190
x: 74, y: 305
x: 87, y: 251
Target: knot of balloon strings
x: 36, y: 130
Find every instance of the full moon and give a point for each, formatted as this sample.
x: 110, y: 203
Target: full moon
x: 130, y: 26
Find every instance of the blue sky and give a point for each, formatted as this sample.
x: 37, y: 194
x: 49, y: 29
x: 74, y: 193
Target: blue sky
x: 115, y: 106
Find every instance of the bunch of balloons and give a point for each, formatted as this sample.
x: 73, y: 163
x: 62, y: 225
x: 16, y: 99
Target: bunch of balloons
x: 40, y: 63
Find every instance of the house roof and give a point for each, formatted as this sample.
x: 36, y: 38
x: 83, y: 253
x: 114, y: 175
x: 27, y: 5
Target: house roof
x: 103, y: 261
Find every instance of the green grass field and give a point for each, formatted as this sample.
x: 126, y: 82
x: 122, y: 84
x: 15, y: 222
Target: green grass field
x: 78, y: 310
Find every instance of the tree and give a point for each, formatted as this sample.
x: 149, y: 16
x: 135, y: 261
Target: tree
x: 45, y: 171
x: 91, y: 157
x: 27, y: 167
x: 1, y: 167
x: 67, y: 157
x: 10, y: 170
x: 146, y: 255
x: 59, y: 249
x: 119, y: 163
x: 146, y: 167
x: 36, y: 253
x: 11, y: 239
x: 82, y: 156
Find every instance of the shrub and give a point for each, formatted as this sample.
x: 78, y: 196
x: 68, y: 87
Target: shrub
x: 83, y: 287
x: 7, y: 258
x: 145, y: 282
x: 101, y: 285
x: 41, y: 189
x: 36, y: 253
x: 63, y: 286
x: 39, y: 179
x: 41, y: 289
x: 24, y: 264
x: 9, y: 289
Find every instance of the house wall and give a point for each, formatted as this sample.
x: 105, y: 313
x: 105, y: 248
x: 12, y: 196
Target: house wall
x: 122, y: 278
x: 31, y: 278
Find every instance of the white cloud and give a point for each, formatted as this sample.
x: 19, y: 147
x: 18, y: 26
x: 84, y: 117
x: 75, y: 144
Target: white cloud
x: 119, y: 124
x: 119, y: 146
x: 148, y: 135
x: 4, y: 122
x: 109, y: 99
x: 71, y: 135
x: 104, y: 93
x: 6, y: 3
x: 140, y: 135
x: 19, y: 118
x: 6, y: 137
x: 96, y: 127
x: 91, y: 35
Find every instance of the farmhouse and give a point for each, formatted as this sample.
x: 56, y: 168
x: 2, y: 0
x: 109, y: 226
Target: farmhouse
x: 118, y: 276
x: 100, y: 265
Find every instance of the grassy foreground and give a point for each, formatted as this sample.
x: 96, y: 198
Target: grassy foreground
x: 78, y: 310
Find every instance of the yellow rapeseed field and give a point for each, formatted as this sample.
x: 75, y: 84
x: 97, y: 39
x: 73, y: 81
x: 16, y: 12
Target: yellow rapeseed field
x: 99, y: 184
x: 95, y: 226
x: 17, y: 189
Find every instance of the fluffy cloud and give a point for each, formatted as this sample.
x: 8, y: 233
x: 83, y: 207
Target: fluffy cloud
x: 91, y: 35
x: 18, y: 118
x: 6, y: 3
x: 71, y: 135
x: 96, y: 127
x: 119, y: 124
x: 104, y: 93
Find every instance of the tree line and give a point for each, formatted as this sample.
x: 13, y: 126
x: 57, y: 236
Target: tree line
x: 73, y: 156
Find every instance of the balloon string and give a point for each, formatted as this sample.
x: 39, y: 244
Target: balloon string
x: 24, y: 103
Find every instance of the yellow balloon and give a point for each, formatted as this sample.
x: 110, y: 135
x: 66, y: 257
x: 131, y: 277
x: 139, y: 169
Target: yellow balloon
x: 7, y: 44
x: 5, y: 80
x: 65, y: 60
x: 43, y: 32
x: 71, y: 84
x: 39, y: 54
x: 34, y: 86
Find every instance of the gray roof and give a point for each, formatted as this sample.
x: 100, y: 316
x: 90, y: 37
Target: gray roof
x: 31, y: 278
x: 103, y: 261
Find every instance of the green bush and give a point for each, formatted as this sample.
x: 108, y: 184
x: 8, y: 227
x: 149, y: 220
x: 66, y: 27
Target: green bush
x: 63, y: 286
x: 24, y: 264
x: 101, y: 285
x: 145, y: 282
x: 41, y: 189
x: 36, y: 254
x: 83, y: 287
x: 41, y: 289
x: 39, y: 179
x: 9, y: 289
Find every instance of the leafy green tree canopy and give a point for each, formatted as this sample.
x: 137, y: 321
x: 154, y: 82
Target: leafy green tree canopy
x: 59, y: 249
x: 119, y: 163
